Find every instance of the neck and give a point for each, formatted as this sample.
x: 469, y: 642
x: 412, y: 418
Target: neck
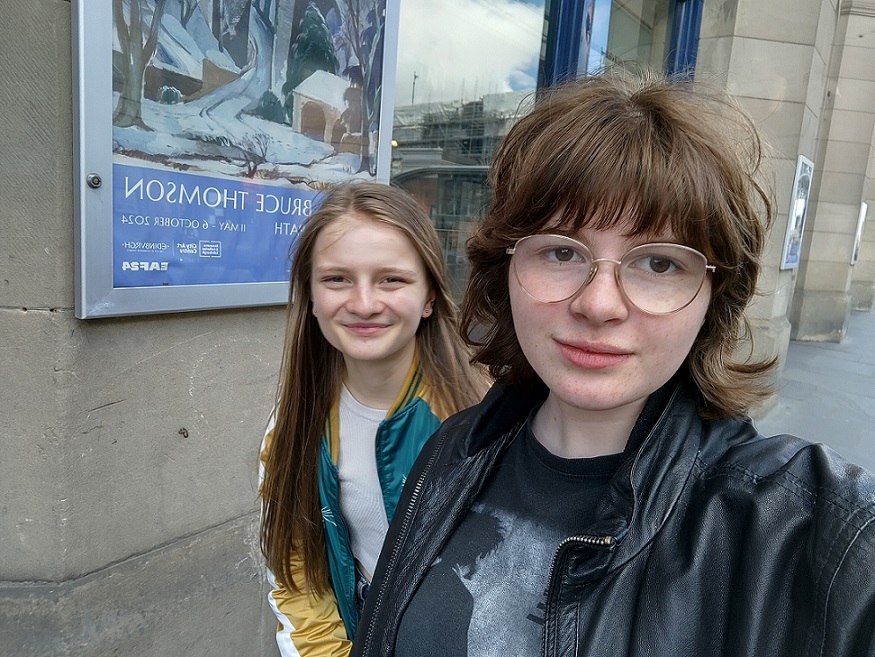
x: 572, y: 432
x: 377, y: 384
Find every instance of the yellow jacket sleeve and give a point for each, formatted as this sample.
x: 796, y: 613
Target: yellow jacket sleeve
x: 309, y: 625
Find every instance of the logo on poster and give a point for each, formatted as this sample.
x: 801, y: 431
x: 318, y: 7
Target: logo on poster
x: 145, y: 246
x: 210, y: 249
x: 188, y: 248
x: 144, y: 266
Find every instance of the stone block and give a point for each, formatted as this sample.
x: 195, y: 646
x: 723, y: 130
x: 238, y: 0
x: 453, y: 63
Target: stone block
x: 837, y: 187
x: 779, y: 20
x: 35, y: 398
x: 718, y: 19
x: 779, y: 122
x: 832, y: 217
x: 36, y: 255
x: 200, y: 596
x: 713, y: 60
x: 127, y: 433
x: 863, y: 296
x: 846, y: 157
x: 857, y: 63
x: 788, y: 65
x: 808, y: 134
x: 168, y: 415
x: 860, y: 27
x: 817, y: 82
x: 851, y: 125
x: 820, y: 316
x: 855, y: 95
x: 832, y: 247
x: 825, y: 276
x: 826, y: 26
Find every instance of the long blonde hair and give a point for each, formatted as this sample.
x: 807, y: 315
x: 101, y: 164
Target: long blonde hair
x: 312, y: 371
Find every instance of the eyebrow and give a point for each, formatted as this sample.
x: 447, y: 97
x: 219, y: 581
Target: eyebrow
x: 381, y: 271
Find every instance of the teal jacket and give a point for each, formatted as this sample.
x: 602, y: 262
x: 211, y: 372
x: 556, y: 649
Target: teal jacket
x: 400, y: 437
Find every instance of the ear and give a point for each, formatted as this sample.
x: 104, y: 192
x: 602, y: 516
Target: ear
x: 429, y: 306
x: 313, y: 309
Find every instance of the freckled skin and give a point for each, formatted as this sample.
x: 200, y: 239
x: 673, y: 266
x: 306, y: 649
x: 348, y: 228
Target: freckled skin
x: 598, y: 354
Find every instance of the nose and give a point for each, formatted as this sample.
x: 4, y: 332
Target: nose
x: 601, y: 299
x: 364, y: 301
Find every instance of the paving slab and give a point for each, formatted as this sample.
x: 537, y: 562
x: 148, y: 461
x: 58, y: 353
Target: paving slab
x: 827, y: 393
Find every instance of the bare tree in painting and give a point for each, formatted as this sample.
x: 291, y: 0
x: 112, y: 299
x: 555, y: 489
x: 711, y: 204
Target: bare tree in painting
x: 137, y: 41
x: 267, y: 10
x: 186, y: 11
x: 254, y: 149
x: 362, y: 34
x: 217, y: 22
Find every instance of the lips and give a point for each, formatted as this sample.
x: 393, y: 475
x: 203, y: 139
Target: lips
x: 594, y: 356
x: 365, y: 329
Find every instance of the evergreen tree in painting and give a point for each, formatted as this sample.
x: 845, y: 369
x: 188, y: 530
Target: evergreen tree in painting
x: 312, y: 51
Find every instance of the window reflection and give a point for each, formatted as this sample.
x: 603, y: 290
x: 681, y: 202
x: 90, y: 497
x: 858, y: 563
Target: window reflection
x: 467, y: 70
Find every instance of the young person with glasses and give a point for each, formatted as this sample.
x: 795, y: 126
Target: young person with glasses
x: 609, y: 496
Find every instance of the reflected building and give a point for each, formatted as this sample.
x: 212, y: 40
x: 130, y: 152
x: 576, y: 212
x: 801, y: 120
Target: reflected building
x: 441, y: 153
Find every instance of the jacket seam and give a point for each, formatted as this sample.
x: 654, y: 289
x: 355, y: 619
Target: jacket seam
x: 792, y: 484
x: 835, y: 572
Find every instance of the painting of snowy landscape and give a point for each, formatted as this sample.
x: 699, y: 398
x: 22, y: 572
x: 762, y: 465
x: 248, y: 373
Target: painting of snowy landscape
x: 228, y: 117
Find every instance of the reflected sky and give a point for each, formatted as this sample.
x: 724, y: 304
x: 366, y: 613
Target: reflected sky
x: 465, y: 49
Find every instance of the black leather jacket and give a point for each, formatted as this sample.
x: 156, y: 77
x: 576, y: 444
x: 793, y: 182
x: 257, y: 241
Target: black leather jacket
x: 711, y: 541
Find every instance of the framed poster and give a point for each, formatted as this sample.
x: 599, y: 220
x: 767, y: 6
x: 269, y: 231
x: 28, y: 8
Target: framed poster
x: 798, y: 211
x: 205, y: 131
x: 858, y: 237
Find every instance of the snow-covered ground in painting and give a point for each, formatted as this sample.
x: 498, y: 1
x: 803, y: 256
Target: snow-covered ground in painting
x: 213, y: 134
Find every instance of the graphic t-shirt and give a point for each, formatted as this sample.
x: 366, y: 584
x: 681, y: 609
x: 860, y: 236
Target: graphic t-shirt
x: 484, y: 595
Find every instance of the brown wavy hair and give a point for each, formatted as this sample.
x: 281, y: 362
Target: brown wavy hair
x: 638, y: 147
x: 312, y: 371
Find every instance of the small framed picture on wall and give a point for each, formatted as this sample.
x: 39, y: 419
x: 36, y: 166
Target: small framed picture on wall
x: 858, y: 238
x: 798, y: 211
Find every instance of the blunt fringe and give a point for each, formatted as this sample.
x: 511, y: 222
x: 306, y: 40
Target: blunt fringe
x: 312, y: 371
x: 640, y: 148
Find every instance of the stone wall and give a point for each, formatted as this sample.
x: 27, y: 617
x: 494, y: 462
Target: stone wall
x: 128, y: 446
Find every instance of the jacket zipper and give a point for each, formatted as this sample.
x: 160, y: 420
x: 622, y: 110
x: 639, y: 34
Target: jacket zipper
x: 396, y: 549
x: 605, y: 542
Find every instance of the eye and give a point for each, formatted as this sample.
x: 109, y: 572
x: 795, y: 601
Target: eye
x: 394, y: 282
x: 561, y: 254
x: 656, y: 264
x: 333, y: 280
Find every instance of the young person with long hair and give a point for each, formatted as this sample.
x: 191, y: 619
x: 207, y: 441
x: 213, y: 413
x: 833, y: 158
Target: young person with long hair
x: 609, y: 496
x: 372, y: 363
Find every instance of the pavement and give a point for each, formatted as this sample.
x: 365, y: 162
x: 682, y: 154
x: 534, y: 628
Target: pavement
x: 827, y: 393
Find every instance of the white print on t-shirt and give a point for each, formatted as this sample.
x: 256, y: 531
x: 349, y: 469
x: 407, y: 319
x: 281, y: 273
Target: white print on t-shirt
x: 506, y: 582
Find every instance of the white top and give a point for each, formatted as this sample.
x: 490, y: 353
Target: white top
x: 361, y: 498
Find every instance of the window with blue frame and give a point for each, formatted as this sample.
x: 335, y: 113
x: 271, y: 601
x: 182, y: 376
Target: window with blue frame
x: 468, y: 69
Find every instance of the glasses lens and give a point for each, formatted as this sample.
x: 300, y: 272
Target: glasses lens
x: 551, y: 267
x: 657, y: 278
x: 662, y: 278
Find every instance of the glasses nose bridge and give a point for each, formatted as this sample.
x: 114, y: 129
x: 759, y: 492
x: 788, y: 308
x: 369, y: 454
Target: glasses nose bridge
x: 594, y: 269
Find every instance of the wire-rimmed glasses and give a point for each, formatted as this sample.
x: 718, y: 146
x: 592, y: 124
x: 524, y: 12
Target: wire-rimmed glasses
x: 658, y: 278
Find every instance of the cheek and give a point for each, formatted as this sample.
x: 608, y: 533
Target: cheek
x: 688, y: 333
